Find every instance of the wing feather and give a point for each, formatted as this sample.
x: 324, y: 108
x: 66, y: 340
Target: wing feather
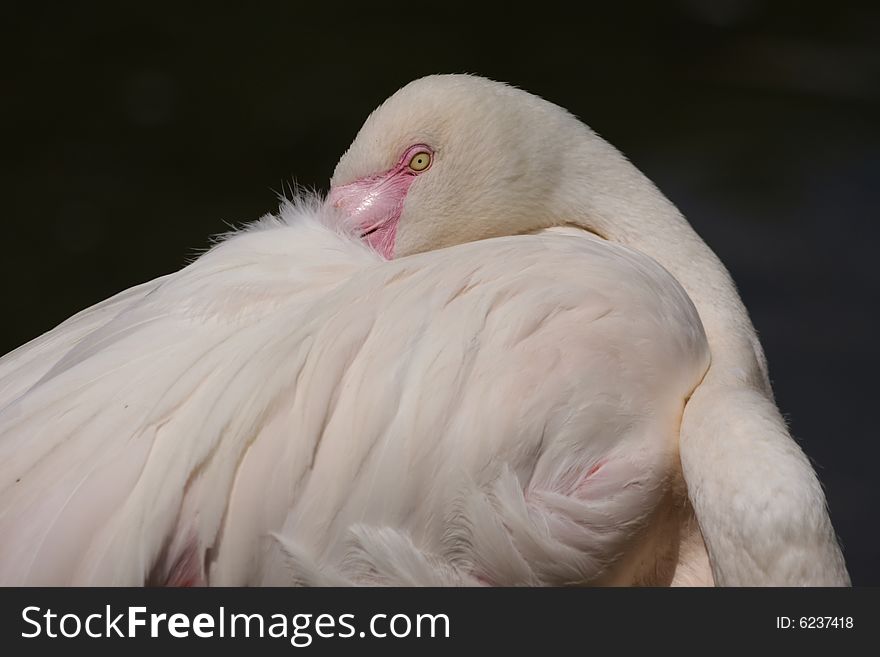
x: 444, y: 418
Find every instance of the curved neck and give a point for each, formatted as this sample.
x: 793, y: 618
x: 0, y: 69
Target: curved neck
x: 622, y: 205
x: 758, y: 502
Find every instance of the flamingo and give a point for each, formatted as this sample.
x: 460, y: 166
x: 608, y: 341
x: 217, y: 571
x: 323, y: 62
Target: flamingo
x: 495, y: 355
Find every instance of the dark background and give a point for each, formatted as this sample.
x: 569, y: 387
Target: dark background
x: 131, y: 136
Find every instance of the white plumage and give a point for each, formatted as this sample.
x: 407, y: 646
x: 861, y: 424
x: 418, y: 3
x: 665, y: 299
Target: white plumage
x: 292, y: 408
x: 291, y: 381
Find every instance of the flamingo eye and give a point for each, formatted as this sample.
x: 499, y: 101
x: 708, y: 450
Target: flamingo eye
x: 420, y: 161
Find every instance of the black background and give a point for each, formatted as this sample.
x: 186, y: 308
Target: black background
x: 132, y: 135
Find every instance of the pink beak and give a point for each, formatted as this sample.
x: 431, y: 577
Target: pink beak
x: 374, y: 206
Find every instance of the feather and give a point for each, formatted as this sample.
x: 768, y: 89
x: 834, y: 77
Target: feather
x: 290, y: 383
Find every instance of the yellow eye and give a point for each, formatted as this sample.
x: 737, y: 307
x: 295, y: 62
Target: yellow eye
x: 420, y: 161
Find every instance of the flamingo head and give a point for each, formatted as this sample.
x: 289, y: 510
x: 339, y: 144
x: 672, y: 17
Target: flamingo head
x: 456, y: 158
